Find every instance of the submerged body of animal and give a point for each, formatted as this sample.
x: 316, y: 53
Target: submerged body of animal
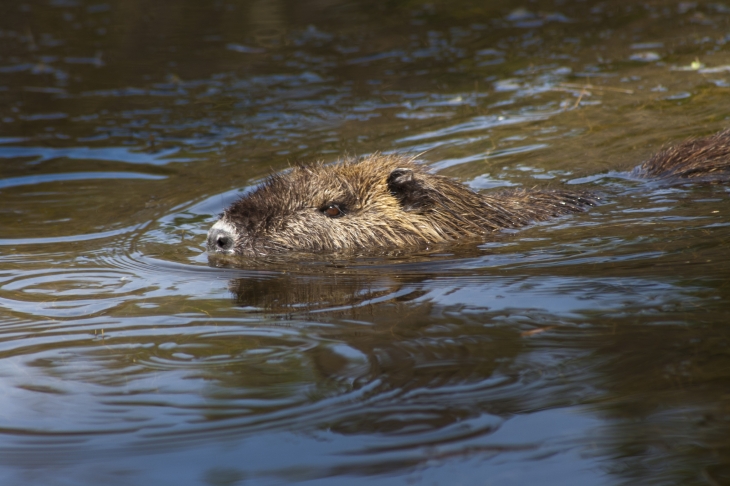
x: 390, y: 201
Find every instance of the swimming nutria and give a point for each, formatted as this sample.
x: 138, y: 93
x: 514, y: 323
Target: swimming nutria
x: 390, y: 201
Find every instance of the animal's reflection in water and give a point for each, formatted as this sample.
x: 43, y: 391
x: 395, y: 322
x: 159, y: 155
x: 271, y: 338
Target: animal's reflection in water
x: 381, y: 334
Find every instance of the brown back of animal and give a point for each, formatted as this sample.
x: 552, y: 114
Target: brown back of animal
x: 390, y: 201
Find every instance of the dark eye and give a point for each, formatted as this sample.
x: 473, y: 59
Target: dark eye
x: 333, y: 211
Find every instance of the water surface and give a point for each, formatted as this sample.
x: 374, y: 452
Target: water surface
x: 589, y: 350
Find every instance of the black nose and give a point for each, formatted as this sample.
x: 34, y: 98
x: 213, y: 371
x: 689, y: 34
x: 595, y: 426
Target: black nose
x: 220, y: 240
x: 224, y: 242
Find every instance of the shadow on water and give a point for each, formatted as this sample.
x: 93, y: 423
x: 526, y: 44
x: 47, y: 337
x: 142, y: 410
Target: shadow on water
x: 587, y: 350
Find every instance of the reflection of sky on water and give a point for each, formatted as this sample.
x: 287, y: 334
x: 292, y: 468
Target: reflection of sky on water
x: 569, y: 297
x: 116, y: 154
x: 534, y: 444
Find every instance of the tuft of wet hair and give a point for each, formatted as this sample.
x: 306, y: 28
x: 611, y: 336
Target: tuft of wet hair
x: 696, y: 160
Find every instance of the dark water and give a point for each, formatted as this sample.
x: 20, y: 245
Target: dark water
x: 591, y: 350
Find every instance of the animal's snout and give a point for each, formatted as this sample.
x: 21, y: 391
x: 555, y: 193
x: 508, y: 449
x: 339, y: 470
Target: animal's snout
x: 223, y: 241
x: 221, y: 238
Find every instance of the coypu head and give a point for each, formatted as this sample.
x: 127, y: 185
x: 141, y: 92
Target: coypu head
x: 380, y: 202
x: 383, y: 201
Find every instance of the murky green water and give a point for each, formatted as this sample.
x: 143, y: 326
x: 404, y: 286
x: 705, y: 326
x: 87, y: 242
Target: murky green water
x: 591, y: 350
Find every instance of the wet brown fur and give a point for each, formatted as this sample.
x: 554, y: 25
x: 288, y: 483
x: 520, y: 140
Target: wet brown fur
x: 696, y: 160
x: 390, y: 201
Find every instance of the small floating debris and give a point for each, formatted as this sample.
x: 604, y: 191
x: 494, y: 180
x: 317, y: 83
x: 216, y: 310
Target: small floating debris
x: 695, y: 65
x: 594, y: 87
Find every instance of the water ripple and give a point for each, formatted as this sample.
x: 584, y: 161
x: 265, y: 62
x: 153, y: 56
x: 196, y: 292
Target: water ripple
x: 116, y: 154
x: 75, y: 176
x: 71, y: 238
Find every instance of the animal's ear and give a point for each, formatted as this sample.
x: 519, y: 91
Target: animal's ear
x: 398, y: 179
x: 409, y: 191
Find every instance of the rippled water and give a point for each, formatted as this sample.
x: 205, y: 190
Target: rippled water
x: 593, y: 349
